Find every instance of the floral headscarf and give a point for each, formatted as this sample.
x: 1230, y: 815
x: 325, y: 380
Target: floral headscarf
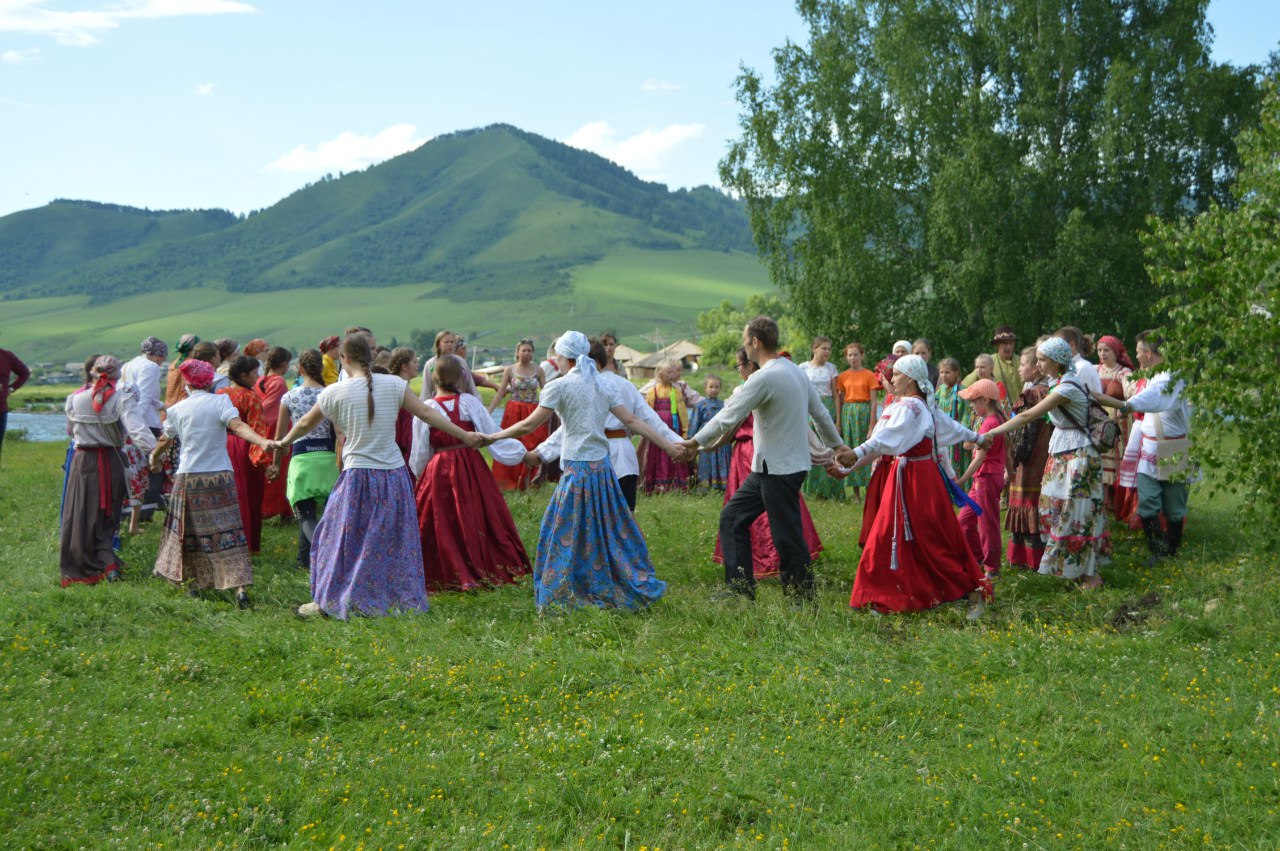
x: 154, y: 346
x: 1056, y: 349
x: 185, y: 344
x: 197, y: 374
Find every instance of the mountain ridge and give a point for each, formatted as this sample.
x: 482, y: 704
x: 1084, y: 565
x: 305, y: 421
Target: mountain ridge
x: 493, y: 212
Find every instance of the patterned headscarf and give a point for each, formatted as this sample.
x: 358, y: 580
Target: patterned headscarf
x: 1114, y: 344
x: 197, y: 374
x: 1057, y: 349
x: 106, y: 372
x: 185, y: 344
x: 575, y: 346
x: 915, y: 367
x: 328, y: 343
x: 154, y: 346
x: 253, y: 348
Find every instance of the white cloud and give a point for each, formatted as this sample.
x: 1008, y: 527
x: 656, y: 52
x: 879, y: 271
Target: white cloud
x: 350, y: 151
x: 82, y: 28
x: 646, y: 153
x: 17, y: 57
x: 653, y: 84
x: 202, y: 90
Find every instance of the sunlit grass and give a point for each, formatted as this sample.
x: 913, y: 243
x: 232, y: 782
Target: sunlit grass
x: 1143, y: 716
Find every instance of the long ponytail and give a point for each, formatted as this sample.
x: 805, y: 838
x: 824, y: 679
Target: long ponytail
x: 355, y: 349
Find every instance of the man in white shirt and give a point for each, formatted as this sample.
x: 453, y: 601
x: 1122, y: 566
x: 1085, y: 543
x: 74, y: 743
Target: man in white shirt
x: 147, y: 373
x: 1085, y: 371
x: 1166, y: 418
x: 783, y: 401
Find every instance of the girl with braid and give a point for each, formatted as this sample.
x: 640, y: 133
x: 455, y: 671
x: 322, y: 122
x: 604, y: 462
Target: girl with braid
x: 366, y: 556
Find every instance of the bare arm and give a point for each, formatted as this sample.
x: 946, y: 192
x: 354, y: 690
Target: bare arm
x: 1027, y: 417
x: 163, y: 442
x: 538, y: 417
x: 502, y: 388
x: 303, y: 426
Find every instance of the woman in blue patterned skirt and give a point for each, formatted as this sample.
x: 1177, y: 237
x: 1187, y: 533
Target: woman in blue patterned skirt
x: 590, y: 550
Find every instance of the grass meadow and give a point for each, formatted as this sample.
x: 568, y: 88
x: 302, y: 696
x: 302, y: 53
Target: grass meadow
x: 635, y: 291
x: 1146, y: 715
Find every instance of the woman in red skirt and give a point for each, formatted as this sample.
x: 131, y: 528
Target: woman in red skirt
x: 523, y: 380
x: 469, y: 539
x: 248, y: 462
x: 915, y: 556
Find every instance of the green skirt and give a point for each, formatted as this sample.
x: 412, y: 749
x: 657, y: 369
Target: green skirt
x: 312, y: 475
x: 818, y: 484
x: 855, y: 421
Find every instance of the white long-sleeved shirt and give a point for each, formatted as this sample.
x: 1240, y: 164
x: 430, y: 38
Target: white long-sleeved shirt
x: 1162, y: 396
x: 508, y: 451
x: 148, y: 376
x: 1088, y: 374
x: 622, y: 452
x: 783, y: 401
x: 908, y: 421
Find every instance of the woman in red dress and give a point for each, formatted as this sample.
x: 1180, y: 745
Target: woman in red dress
x: 271, y: 389
x: 469, y: 539
x: 248, y: 462
x: 404, y: 363
x: 763, y: 554
x: 915, y: 556
x: 523, y: 380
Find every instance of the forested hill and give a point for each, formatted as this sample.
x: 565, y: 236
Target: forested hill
x: 495, y: 212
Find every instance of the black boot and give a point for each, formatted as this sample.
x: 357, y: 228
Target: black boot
x: 1155, y: 540
x: 1174, y: 537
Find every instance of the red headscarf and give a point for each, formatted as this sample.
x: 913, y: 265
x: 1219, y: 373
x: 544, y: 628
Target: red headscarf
x: 106, y: 372
x: 1114, y: 344
x: 328, y: 343
x: 197, y: 373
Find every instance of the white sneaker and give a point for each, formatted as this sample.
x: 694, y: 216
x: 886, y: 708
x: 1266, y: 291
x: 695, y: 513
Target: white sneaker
x: 310, y: 610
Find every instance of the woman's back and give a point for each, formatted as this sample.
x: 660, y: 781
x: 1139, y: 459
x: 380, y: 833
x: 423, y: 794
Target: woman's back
x: 582, y: 404
x: 368, y: 443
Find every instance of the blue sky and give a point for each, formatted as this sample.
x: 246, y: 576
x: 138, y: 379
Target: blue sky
x: 236, y: 103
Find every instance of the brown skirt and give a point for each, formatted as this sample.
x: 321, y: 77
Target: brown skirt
x: 204, y: 542
x: 87, y: 528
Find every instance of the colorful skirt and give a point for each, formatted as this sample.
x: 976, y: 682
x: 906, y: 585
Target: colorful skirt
x: 660, y: 472
x: 519, y: 477
x: 818, y: 484
x: 204, y: 542
x: 1073, y: 521
x: 590, y: 550
x: 136, y: 473
x: 366, y: 557
x: 469, y: 539
x: 855, y: 423
x: 713, y: 468
x: 95, y: 492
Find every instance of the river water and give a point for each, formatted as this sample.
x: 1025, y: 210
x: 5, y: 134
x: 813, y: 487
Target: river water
x: 43, y: 428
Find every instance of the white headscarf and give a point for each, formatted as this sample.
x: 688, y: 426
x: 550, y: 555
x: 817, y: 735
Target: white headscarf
x: 575, y: 346
x: 904, y: 344
x: 914, y: 367
x: 1057, y: 349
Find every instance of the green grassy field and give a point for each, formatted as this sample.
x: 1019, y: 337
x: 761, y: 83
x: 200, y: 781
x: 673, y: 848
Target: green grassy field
x: 632, y: 290
x: 1142, y: 716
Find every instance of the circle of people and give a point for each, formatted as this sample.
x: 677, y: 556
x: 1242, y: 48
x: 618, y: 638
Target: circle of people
x: 394, y: 500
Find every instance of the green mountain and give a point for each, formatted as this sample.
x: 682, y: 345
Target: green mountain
x: 487, y: 214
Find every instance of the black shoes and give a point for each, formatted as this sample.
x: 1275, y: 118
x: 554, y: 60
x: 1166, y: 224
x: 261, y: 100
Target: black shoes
x: 242, y: 599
